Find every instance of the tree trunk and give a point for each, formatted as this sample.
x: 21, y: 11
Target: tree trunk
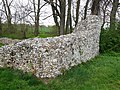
x: 77, y: 12
x: 59, y: 10
x: 113, y: 14
x: 8, y: 14
x: 55, y: 10
x: 86, y: 7
x: 55, y: 14
x: 36, y: 32
x: 69, y: 19
x: 0, y: 27
x: 106, y: 3
x: 23, y: 31
x: 95, y: 10
x: 62, y: 16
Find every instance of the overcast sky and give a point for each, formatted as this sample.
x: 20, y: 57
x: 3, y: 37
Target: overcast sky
x: 45, y: 12
x: 47, y: 9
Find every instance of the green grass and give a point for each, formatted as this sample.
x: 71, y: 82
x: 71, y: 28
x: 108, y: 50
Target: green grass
x: 16, y: 32
x: 101, y: 73
x: 15, y: 80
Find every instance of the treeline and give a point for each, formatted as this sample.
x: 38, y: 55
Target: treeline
x: 66, y: 13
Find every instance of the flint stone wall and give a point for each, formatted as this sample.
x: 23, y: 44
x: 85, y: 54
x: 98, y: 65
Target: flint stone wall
x: 7, y: 41
x: 49, y: 57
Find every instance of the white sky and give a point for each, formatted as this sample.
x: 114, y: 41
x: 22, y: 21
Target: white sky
x: 45, y: 11
x: 50, y: 20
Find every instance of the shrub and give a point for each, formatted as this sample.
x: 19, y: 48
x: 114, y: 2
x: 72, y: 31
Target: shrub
x: 1, y: 44
x: 110, y: 40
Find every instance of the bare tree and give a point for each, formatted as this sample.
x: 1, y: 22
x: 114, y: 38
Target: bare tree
x: 0, y: 23
x: 37, y: 14
x: 77, y: 12
x: 113, y: 14
x: 7, y: 11
x: 55, y: 13
x: 37, y: 6
x: 104, y: 9
x: 62, y: 16
x: 59, y: 10
x: 69, y: 18
x: 95, y: 9
x: 86, y: 7
x: 21, y: 16
x: 0, y: 27
x: 22, y: 12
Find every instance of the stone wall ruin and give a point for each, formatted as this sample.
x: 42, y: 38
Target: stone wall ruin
x: 8, y: 41
x: 49, y: 57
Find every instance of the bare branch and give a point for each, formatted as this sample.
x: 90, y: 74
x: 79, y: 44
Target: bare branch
x: 47, y: 17
x: 10, y: 3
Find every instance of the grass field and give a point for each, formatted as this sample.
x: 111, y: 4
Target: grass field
x: 17, y: 32
x: 101, y: 73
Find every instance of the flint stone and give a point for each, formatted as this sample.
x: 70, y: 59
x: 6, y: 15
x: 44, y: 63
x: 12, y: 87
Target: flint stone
x: 50, y: 57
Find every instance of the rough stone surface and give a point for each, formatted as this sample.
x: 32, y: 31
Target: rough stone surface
x: 8, y: 41
x: 49, y: 57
